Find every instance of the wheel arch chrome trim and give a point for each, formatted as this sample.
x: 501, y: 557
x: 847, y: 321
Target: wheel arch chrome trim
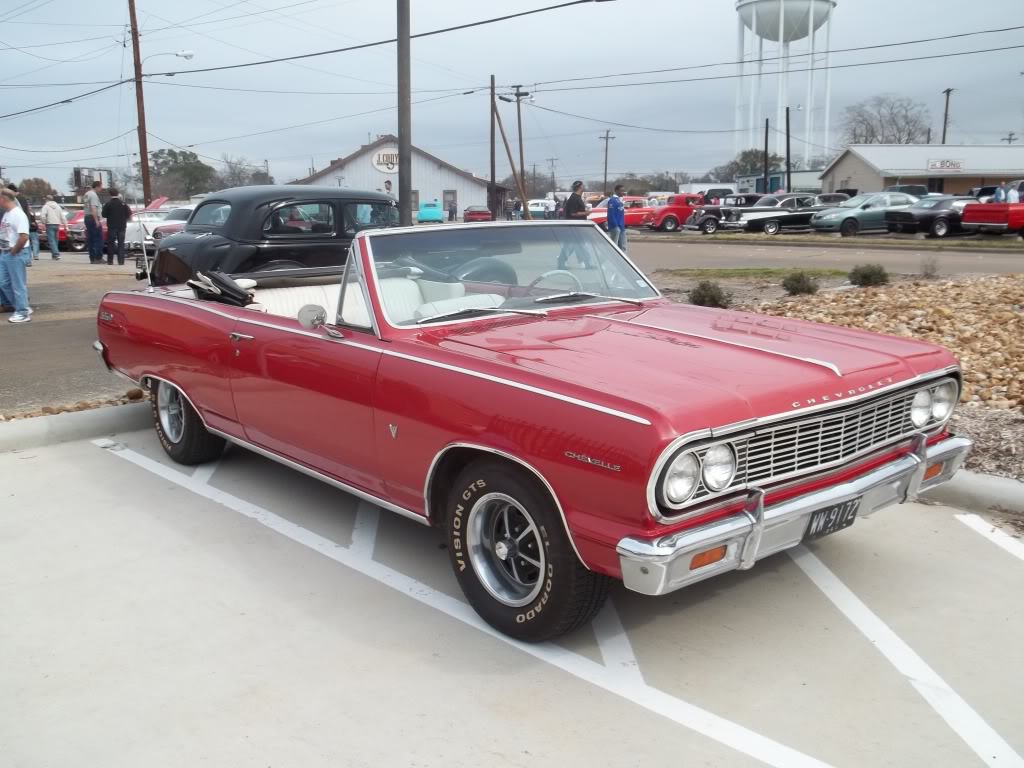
x: 428, y: 482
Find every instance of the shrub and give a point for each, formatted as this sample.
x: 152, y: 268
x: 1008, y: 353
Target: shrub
x: 869, y: 274
x: 708, y: 293
x: 929, y: 266
x: 797, y: 283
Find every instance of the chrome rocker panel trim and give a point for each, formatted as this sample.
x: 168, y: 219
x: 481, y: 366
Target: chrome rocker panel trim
x: 661, y: 565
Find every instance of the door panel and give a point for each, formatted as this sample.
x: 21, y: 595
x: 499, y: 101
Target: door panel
x: 309, y: 398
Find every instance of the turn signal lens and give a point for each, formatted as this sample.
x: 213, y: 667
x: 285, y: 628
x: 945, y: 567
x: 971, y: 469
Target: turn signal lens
x: 707, y: 558
x: 933, y: 471
x: 921, y: 408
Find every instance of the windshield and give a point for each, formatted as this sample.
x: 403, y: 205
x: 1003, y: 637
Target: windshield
x: 474, y: 271
x: 928, y: 203
x: 767, y: 202
x: 179, y: 214
x: 856, y: 202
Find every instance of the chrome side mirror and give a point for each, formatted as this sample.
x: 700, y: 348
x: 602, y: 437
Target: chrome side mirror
x: 312, y: 316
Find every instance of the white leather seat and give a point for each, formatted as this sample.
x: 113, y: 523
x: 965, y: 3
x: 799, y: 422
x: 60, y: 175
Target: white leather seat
x: 402, y: 297
x: 288, y: 301
x: 472, y: 301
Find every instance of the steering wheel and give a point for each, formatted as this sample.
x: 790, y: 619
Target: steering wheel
x: 552, y: 273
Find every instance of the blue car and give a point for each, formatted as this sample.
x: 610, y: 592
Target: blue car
x: 430, y: 212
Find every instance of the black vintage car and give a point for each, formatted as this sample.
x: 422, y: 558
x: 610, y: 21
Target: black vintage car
x: 792, y: 210
x: 937, y: 216
x: 266, y: 229
x: 707, y: 217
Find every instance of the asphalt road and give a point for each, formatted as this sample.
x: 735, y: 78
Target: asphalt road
x: 241, y: 614
x: 685, y: 253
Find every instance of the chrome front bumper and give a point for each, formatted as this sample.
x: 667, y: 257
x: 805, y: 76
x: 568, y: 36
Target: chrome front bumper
x: 661, y: 565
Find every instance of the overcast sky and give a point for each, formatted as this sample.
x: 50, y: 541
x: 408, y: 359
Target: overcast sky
x: 598, y: 39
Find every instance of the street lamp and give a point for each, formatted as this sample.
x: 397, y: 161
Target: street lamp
x: 187, y: 55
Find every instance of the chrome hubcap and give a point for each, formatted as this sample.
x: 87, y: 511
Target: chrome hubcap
x: 505, y: 549
x: 170, y: 409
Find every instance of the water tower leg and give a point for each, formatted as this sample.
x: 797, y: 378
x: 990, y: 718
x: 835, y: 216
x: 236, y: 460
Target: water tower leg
x: 828, y: 82
x: 755, y: 99
x: 809, y: 106
x: 780, y: 103
x: 738, y: 117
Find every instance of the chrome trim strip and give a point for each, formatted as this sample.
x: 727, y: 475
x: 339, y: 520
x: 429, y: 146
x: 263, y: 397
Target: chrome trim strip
x: 510, y: 457
x: 810, y: 360
x: 404, y: 356
x: 365, y: 496
x: 752, y: 424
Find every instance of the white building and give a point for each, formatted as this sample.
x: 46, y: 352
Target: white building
x: 375, y: 167
x: 803, y: 181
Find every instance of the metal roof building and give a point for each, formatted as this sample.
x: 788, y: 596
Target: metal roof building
x: 950, y: 168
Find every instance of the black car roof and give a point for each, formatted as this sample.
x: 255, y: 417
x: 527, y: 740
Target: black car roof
x: 269, y: 193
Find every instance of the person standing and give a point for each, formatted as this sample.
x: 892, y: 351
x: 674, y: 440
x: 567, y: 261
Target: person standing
x: 53, y: 216
x: 14, y: 258
x: 617, y: 218
x: 33, y: 227
x: 999, y: 196
x: 94, y: 223
x: 117, y: 213
x: 1012, y: 195
x: 517, y: 208
x: 575, y: 209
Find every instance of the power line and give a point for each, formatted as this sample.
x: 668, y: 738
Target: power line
x: 363, y: 46
x: 72, y: 149
x: 292, y: 92
x: 63, y: 101
x: 638, y: 127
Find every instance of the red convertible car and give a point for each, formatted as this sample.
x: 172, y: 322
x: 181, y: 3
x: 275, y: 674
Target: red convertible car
x: 564, y: 427
x: 637, y: 210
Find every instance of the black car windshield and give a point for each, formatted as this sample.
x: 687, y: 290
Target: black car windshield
x: 430, y: 274
x: 930, y: 202
x: 767, y: 202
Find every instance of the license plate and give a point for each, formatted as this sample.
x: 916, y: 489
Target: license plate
x: 832, y: 519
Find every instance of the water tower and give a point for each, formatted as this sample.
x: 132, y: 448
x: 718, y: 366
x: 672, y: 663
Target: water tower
x: 775, y: 36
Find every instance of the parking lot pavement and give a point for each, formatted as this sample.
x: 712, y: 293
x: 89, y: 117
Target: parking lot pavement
x: 241, y: 613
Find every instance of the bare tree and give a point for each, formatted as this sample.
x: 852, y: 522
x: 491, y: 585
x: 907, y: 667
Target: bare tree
x: 237, y: 172
x: 886, y: 119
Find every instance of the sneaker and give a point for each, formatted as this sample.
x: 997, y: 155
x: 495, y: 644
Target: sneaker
x: 19, y: 317
x: 30, y: 311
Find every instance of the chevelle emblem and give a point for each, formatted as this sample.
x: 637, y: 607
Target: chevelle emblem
x: 831, y: 397
x: 589, y: 460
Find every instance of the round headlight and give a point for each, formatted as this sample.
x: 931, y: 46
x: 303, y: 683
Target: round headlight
x: 943, y: 400
x: 719, y: 467
x: 681, y: 478
x: 921, y: 408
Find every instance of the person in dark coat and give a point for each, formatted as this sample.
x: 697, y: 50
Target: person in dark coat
x: 117, y: 213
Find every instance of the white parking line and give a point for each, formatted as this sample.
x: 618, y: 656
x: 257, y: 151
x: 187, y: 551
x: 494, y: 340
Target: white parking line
x: 364, y: 530
x: 968, y: 724
x: 631, y: 688
x: 204, y: 472
x: 1014, y: 546
x: 612, y: 640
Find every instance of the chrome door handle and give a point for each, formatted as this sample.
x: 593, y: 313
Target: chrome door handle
x: 240, y: 336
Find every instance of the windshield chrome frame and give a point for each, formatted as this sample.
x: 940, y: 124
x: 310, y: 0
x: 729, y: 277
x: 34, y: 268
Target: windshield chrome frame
x: 370, y: 235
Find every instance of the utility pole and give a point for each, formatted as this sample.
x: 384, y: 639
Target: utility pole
x: 520, y: 94
x: 140, y: 105
x: 517, y: 178
x: 766, y: 190
x: 404, y: 117
x: 492, y: 189
x: 535, y: 176
x: 266, y: 168
x: 551, y: 161
x: 789, y: 168
x: 1010, y: 138
x: 606, y: 138
x: 945, y: 117
x: 929, y: 140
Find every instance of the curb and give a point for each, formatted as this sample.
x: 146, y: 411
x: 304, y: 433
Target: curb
x: 976, y: 492
x: 861, y: 245
x: 36, y: 432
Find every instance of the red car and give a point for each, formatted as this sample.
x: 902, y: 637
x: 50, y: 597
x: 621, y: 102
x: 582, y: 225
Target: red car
x: 636, y: 211
x: 565, y: 427
x: 997, y: 218
x: 76, y: 231
x: 476, y: 213
x: 674, y: 213
x: 175, y: 222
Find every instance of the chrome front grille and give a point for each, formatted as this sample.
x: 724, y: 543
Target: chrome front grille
x: 825, y: 439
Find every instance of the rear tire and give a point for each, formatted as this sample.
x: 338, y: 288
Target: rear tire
x: 670, y: 224
x: 771, y: 227
x: 849, y: 228
x: 939, y: 228
x: 179, y: 428
x: 512, y: 556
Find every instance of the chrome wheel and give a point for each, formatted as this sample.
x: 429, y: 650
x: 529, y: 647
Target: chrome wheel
x: 170, y: 408
x: 505, y: 549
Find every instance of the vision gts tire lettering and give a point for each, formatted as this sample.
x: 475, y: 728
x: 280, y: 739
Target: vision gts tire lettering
x: 179, y: 428
x: 512, y: 556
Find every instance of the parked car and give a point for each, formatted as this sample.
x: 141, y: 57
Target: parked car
x: 62, y: 229
x: 430, y: 212
x: 773, y: 213
x: 538, y: 208
x: 938, y: 216
x: 636, y: 211
x: 174, y: 222
x: 564, y: 427
x: 254, y: 230
x: 862, y: 213
x: 833, y: 198
x: 76, y: 231
x: 717, y: 193
x: 993, y: 218
x: 476, y: 213
x: 917, y: 190
x: 675, y: 211
x: 140, y: 229
x: 982, y: 194
x: 707, y: 217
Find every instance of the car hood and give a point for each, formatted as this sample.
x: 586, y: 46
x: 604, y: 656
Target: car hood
x: 687, y: 368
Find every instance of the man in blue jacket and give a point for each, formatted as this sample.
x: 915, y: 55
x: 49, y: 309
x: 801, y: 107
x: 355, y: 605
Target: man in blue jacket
x: 617, y: 218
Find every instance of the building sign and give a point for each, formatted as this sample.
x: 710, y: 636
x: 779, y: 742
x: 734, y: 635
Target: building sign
x: 386, y: 160
x: 951, y: 166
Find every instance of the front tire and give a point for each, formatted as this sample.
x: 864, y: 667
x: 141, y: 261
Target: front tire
x: 512, y: 556
x: 669, y: 224
x: 179, y: 428
x: 849, y: 228
x: 771, y: 227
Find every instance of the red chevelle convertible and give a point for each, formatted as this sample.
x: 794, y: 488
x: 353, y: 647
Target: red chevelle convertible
x: 564, y: 426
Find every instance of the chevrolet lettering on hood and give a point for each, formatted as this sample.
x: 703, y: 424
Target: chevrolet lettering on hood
x: 831, y: 397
